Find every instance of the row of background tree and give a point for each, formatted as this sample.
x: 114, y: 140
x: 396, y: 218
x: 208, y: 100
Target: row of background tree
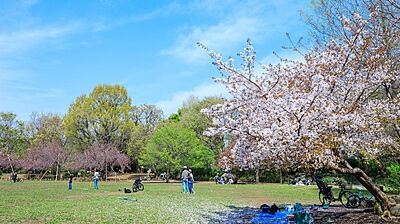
x: 103, y: 130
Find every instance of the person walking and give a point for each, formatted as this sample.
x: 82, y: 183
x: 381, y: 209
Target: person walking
x: 70, y: 180
x: 96, y: 179
x: 185, y: 177
x: 191, y: 181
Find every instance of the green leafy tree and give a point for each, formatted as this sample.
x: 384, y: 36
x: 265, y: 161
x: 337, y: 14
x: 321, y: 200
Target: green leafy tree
x: 102, y: 117
x: 146, y: 119
x: 193, y: 119
x: 44, y: 129
x: 173, y: 147
x: 13, y: 141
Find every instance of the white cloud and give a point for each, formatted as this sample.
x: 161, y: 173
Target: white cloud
x: 172, y: 105
x: 25, y: 39
x: 219, y: 37
x: 256, y: 19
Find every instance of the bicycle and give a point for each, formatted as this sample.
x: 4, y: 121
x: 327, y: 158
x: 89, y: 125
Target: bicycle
x: 326, y: 196
x: 138, y: 186
x: 355, y: 200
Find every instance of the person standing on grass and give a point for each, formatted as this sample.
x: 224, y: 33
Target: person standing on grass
x: 15, y: 176
x: 70, y: 180
x: 191, y: 181
x: 96, y: 179
x: 185, y: 177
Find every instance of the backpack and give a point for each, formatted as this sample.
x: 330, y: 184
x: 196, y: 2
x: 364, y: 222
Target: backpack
x: 265, y: 208
x: 127, y: 190
x: 274, y: 208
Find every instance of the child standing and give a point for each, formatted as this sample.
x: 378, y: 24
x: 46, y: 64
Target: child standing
x: 96, y: 179
x: 191, y: 181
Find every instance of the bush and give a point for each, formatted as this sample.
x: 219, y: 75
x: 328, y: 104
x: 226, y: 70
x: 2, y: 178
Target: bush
x: 205, y: 174
x: 330, y: 180
x: 393, y: 176
x: 65, y: 175
x: 247, y: 178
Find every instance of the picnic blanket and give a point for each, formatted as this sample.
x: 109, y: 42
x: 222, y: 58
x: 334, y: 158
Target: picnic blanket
x: 280, y: 217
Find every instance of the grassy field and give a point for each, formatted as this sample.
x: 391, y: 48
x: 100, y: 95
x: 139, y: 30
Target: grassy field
x: 50, y: 202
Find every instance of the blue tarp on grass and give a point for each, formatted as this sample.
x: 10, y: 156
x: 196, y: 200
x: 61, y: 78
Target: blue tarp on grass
x: 279, y: 217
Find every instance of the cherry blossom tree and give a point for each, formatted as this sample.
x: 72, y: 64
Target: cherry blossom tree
x: 9, y: 161
x: 47, y: 156
x: 101, y: 157
x: 315, y: 112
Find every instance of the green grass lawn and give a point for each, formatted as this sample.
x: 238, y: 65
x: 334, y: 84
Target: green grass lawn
x: 50, y: 202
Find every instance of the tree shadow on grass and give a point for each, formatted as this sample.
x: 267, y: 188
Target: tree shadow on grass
x: 233, y: 215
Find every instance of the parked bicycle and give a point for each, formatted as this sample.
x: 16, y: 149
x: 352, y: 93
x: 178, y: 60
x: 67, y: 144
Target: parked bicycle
x: 138, y: 186
x: 355, y: 200
x: 326, y: 196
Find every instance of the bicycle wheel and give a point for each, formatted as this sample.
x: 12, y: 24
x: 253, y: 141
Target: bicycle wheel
x: 134, y: 188
x: 325, y: 200
x: 140, y: 187
x: 344, y: 198
x: 352, y: 201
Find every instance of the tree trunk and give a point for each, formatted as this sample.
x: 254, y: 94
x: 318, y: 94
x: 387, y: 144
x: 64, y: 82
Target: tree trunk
x: 106, y: 172
x: 257, y: 176
x: 385, y: 202
x: 57, y: 172
x: 280, y: 176
x: 9, y: 160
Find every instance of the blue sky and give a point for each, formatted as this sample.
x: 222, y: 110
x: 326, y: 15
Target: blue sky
x: 54, y: 51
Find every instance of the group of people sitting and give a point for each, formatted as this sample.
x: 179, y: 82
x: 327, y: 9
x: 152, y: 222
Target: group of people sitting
x: 299, y: 182
x: 223, y: 179
x: 187, y: 181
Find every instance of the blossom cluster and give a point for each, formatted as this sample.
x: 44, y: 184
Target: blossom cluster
x: 312, y: 112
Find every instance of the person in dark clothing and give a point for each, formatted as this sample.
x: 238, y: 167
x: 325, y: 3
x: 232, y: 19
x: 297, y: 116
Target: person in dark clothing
x: 15, y: 177
x: 70, y: 180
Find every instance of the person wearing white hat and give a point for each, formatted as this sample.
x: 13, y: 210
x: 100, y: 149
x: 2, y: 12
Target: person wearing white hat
x: 185, y: 180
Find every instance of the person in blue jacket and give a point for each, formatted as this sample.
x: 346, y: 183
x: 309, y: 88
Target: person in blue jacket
x: 96, y: 179
x: 191, y: 181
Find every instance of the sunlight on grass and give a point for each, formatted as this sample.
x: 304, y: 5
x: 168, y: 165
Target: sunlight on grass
x: 50, y: 202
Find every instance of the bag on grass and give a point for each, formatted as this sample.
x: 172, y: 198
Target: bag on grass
x: 274, y: 208
x: 265, y: 208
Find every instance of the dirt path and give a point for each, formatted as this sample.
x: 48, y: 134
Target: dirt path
x: 340, y: 214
